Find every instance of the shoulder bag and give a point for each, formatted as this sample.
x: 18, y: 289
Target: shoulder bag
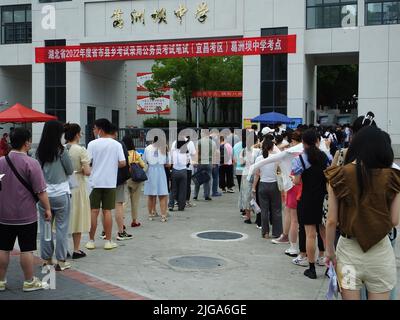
x: 23, y: 182
x: 137, y: 173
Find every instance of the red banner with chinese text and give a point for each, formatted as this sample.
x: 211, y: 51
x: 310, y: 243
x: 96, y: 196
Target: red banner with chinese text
x: 217, y: 94
x: 163, y: 50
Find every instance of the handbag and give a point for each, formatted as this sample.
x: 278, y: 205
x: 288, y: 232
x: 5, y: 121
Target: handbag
x: 137, y: 173
x: 201, y: 177
x: 23, y: 182
x: 72, y: 181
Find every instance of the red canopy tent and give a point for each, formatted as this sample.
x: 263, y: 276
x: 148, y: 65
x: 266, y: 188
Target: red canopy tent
x: 21, y: 114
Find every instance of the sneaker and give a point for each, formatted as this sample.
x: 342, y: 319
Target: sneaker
x: 300, y: 261
x: 310, y: 273
x: 283, y: 239
x: 190, y: 205
x: 223, y: 190
x: 218, y: 194
x: 34, y: 285
x: 124, y: 236
x: 79, y: 254
x: 171, y: 208
x: 135, y: 224
x: 292, y: 252
x: 109, y: 245
x: 62, y: 265
x: 248, y: 221
x: 230, y: 190
x: 3, y: 285
x: 258, y: 226
x: 320, y: 261
x: 208, y: 199
x: 103, y: 235
x: 90, y: 245
x: 195, y: 198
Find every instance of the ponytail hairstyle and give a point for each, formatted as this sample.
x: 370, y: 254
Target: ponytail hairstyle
x: 267, y: 146
x: 70, y: 131
x: 315, y: 156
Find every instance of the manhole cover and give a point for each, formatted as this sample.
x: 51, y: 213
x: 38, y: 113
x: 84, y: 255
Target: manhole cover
x: 220, y: 235
x: 196, y: 262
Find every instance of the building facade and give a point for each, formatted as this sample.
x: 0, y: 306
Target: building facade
x: 329, y: 32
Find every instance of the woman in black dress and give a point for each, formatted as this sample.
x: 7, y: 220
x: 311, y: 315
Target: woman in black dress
x: 309, y: 169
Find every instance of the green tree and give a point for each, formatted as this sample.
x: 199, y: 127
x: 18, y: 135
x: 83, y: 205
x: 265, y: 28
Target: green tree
x: 186, y: 75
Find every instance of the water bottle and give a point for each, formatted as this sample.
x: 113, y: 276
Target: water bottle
x: 47, y: 231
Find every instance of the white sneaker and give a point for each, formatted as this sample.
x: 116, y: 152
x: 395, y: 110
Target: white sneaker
x: 230, y: 190
x: 3, y: 285
x: 90, y: 245
x: 320, y: 261
x: 62, y: 265
x: 300, y: 261
x: 292, y: 252
x: 109, y: 245
x: 34, y: 285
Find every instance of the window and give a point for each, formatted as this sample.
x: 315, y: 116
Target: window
x: 331, y: 13
x: 16, y: 24
x: 115, y: 117
x: 55, y: 85
x: 274, y: 77
x: 382, y: 12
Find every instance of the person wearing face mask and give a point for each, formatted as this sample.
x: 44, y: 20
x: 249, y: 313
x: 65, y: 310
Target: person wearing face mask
x: 22, y: 186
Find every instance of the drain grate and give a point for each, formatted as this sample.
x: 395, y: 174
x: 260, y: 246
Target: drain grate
x: 197, y: 262
x: 220, y: 235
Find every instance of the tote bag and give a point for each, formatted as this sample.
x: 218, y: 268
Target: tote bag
x: 137, y: 173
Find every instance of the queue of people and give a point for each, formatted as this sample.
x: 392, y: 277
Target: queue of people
x: 301, y: 191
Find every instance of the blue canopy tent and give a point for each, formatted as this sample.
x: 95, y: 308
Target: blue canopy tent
x: 271, y: 118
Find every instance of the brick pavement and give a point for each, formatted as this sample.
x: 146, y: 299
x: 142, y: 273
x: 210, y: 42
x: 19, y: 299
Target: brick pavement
x: 70, y: 285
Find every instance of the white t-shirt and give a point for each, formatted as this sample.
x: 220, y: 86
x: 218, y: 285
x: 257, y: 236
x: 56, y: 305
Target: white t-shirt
x: 267, y: 172
x: 192, y: 152
x: 178, y: 159
x: 105, y: 154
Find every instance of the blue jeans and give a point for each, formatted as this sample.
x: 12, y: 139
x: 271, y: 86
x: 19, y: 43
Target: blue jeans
x: 207, y: 185
x: 60, y: 210
x: 215, y: 178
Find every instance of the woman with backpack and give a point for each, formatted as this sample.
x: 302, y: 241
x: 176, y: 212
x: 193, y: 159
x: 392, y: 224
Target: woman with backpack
x: 308, y: 169
x: 134, y: 187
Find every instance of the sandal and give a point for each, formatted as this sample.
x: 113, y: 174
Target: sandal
x: 164, y: 219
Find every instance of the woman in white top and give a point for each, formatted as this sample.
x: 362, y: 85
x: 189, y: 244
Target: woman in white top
x: 179, y: 161
x: 268, y: 193
x: 155, y: 156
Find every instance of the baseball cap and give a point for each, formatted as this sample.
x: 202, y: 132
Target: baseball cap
x: 267, y: 130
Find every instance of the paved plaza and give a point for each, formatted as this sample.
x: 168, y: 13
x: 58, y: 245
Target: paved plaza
x: 148, y: 266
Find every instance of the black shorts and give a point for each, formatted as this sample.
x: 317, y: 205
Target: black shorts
x: 25, y: 233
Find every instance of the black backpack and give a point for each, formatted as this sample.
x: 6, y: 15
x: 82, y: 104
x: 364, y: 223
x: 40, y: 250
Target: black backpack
x: 123, y: 173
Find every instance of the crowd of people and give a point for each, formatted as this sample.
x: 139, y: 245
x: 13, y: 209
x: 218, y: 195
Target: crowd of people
x: 336, y: 189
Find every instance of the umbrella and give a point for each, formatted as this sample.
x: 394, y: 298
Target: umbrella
x: 21, y: 114
x: 272, y: 118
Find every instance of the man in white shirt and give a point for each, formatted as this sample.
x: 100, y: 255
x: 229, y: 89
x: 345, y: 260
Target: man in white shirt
x: 107, y: 156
